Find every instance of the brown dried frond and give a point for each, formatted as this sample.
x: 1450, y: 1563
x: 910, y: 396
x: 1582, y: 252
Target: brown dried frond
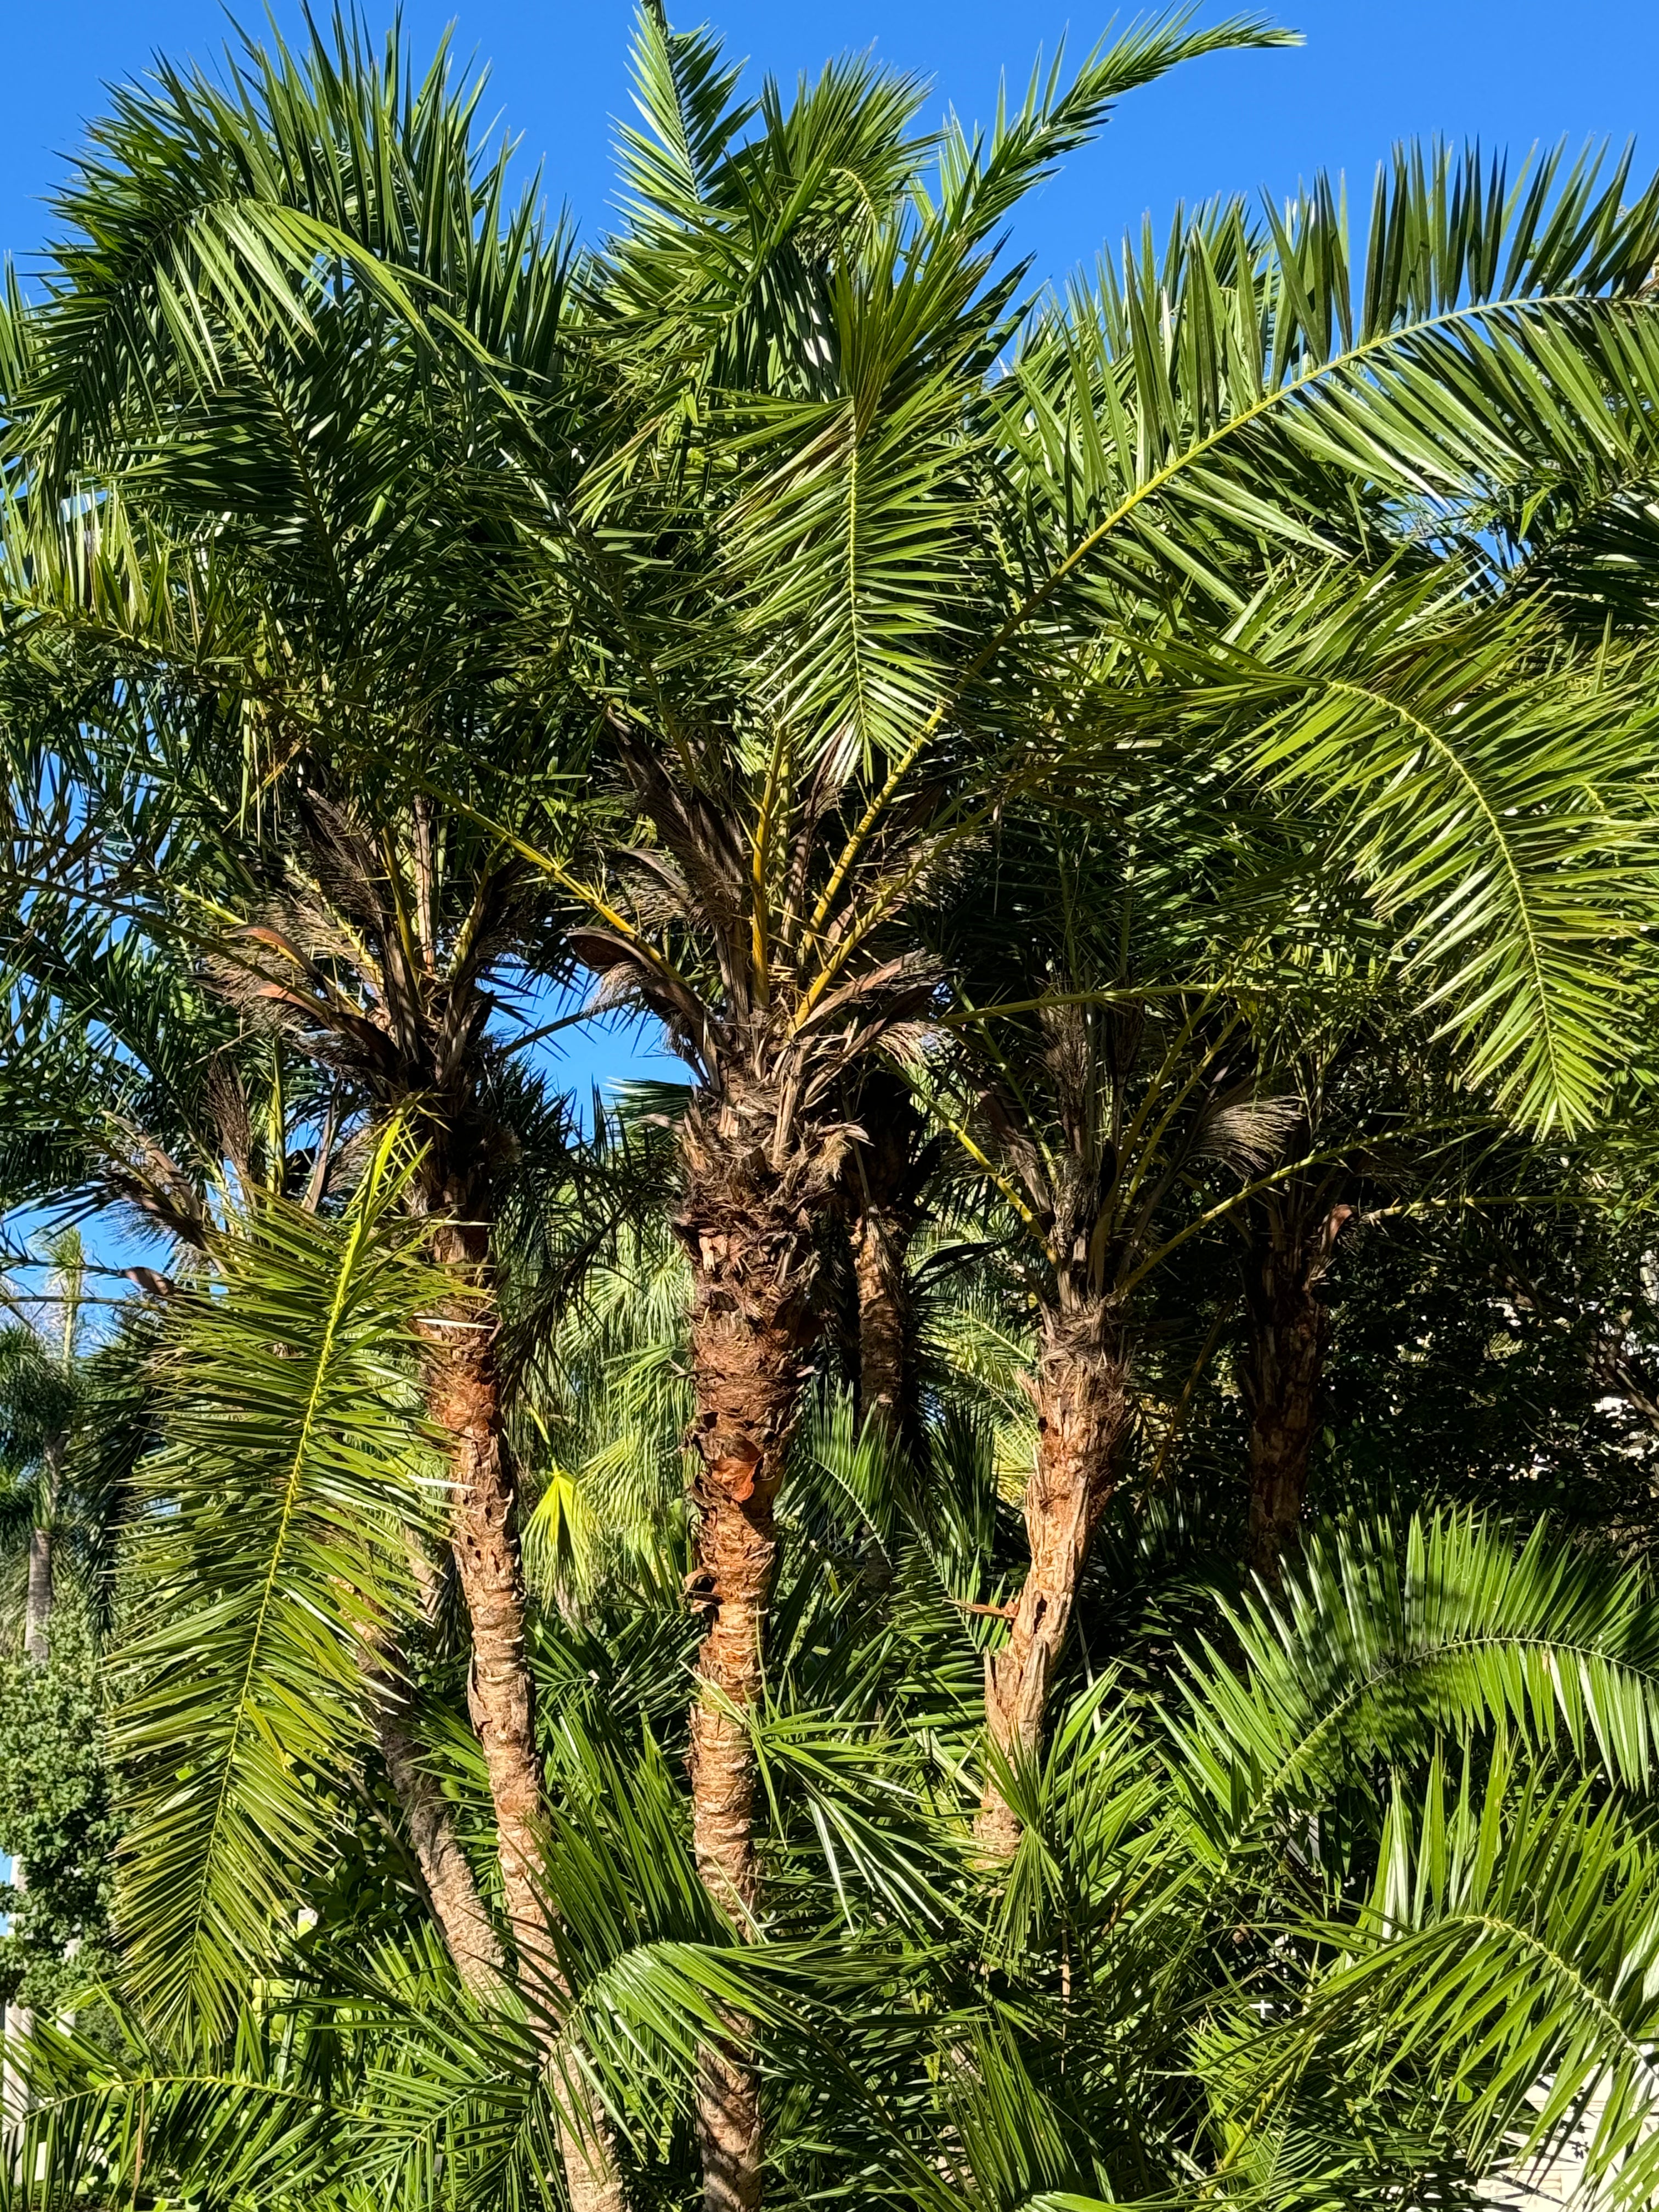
x: 1246, y: 1133
x: 226, y: 1103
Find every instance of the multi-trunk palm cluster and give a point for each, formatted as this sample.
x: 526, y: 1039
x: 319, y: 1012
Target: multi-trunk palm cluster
x: 1077, y: 780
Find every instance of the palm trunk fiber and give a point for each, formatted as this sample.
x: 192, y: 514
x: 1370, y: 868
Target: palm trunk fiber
x: 887, y: 1395
x: 1284, y: 1362
x: 753, y: 1330
x: 1082, y: 1418
x: 1287, y: 1335
x: 465, y: 1400
x: 451, y: 1890
x: 886, y: 1324
x: 892, y: 1162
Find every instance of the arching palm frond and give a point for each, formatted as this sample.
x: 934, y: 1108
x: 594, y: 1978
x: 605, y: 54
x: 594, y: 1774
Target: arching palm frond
x: 1487, y: 782
x: 1516, y: 1918
x: 270, y: 1564
x: 1386, y: 1644
x: 1261, y: 381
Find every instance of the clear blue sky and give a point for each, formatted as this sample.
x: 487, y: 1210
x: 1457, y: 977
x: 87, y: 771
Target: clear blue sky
x: 1510, y: 72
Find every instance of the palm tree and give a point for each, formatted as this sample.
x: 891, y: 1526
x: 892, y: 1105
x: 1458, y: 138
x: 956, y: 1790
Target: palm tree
x: 843, y: 580
x: 799, y: 363
x: 299, y: 574
x: 1380, y: 1125
x: 1105, y: 1098
x: 891, y: 1165
x: 827, y: 589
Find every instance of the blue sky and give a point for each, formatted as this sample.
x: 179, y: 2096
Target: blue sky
x: 1510, y: 72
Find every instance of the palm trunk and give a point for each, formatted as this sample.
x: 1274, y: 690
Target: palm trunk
x: 892, y: 1163
x: 1285, y: 1365
x: 753, y: 1330
x: 429, y: 1824
x: 465, y: 1400
x: 886, y: 1326
x: 1287, y: 1333
x: 1082, y: 1418
x: 465, y: 1405
x: 886, y: 1353
x: 451, y: 1890
x: 37, y: 1616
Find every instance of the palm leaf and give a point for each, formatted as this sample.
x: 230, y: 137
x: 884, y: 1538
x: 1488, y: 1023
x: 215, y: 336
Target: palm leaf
x: 269, y: 1568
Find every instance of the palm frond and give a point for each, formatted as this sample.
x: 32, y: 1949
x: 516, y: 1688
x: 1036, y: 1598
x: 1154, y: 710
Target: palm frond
x: 269, y: 1569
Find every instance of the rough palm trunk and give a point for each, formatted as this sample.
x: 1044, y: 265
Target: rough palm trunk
x: 753, y: 1328
x: 452, y: 1892
x: 429, y: 1820
x: 886, y: 1346
x: 1082, y: 1416
x: 886, y: 1325
x: 892, y: 1160
x: 1286, y: 1336
x: 465, y: 1402
x: 1285, y: 1365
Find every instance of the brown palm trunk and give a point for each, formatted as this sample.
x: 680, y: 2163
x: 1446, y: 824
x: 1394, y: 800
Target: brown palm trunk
x: 1083, y: 1419
x: 429, y: 1823
x: 886, y: 1342
x: 465, y: 1405
x: 451, y: 1890
x: 1283, y: 1365
x: 886, y: 1325
x: 892, y: 1161
x: 1286, y: 1336
x: 753, y: 1330
x: 464, y: 1394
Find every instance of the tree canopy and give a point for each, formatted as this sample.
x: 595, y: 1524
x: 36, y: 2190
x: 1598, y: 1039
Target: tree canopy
x: 1031, y: 1590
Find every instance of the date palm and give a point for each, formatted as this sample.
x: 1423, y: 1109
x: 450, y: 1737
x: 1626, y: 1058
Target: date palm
x: 789, y: 511
x: 1121, y: 988
x: 769, y: 575
x: 292, y: 569
x: 833, y: 582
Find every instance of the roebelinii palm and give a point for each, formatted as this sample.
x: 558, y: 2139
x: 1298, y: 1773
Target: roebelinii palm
x: 289, y: 570
x: 859, y: 555
x: 769, y: 583
x: 782, y: 505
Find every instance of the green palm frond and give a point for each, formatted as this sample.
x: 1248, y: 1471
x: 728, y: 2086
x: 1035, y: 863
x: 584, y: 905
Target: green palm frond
x: 211, y: 215
x: 1490, y: 786
x: 269, y: 1569
x: 1384, y: 1644
x: 1508, y: 1946
x: 98, y: 2119
x: 1261, y: 386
